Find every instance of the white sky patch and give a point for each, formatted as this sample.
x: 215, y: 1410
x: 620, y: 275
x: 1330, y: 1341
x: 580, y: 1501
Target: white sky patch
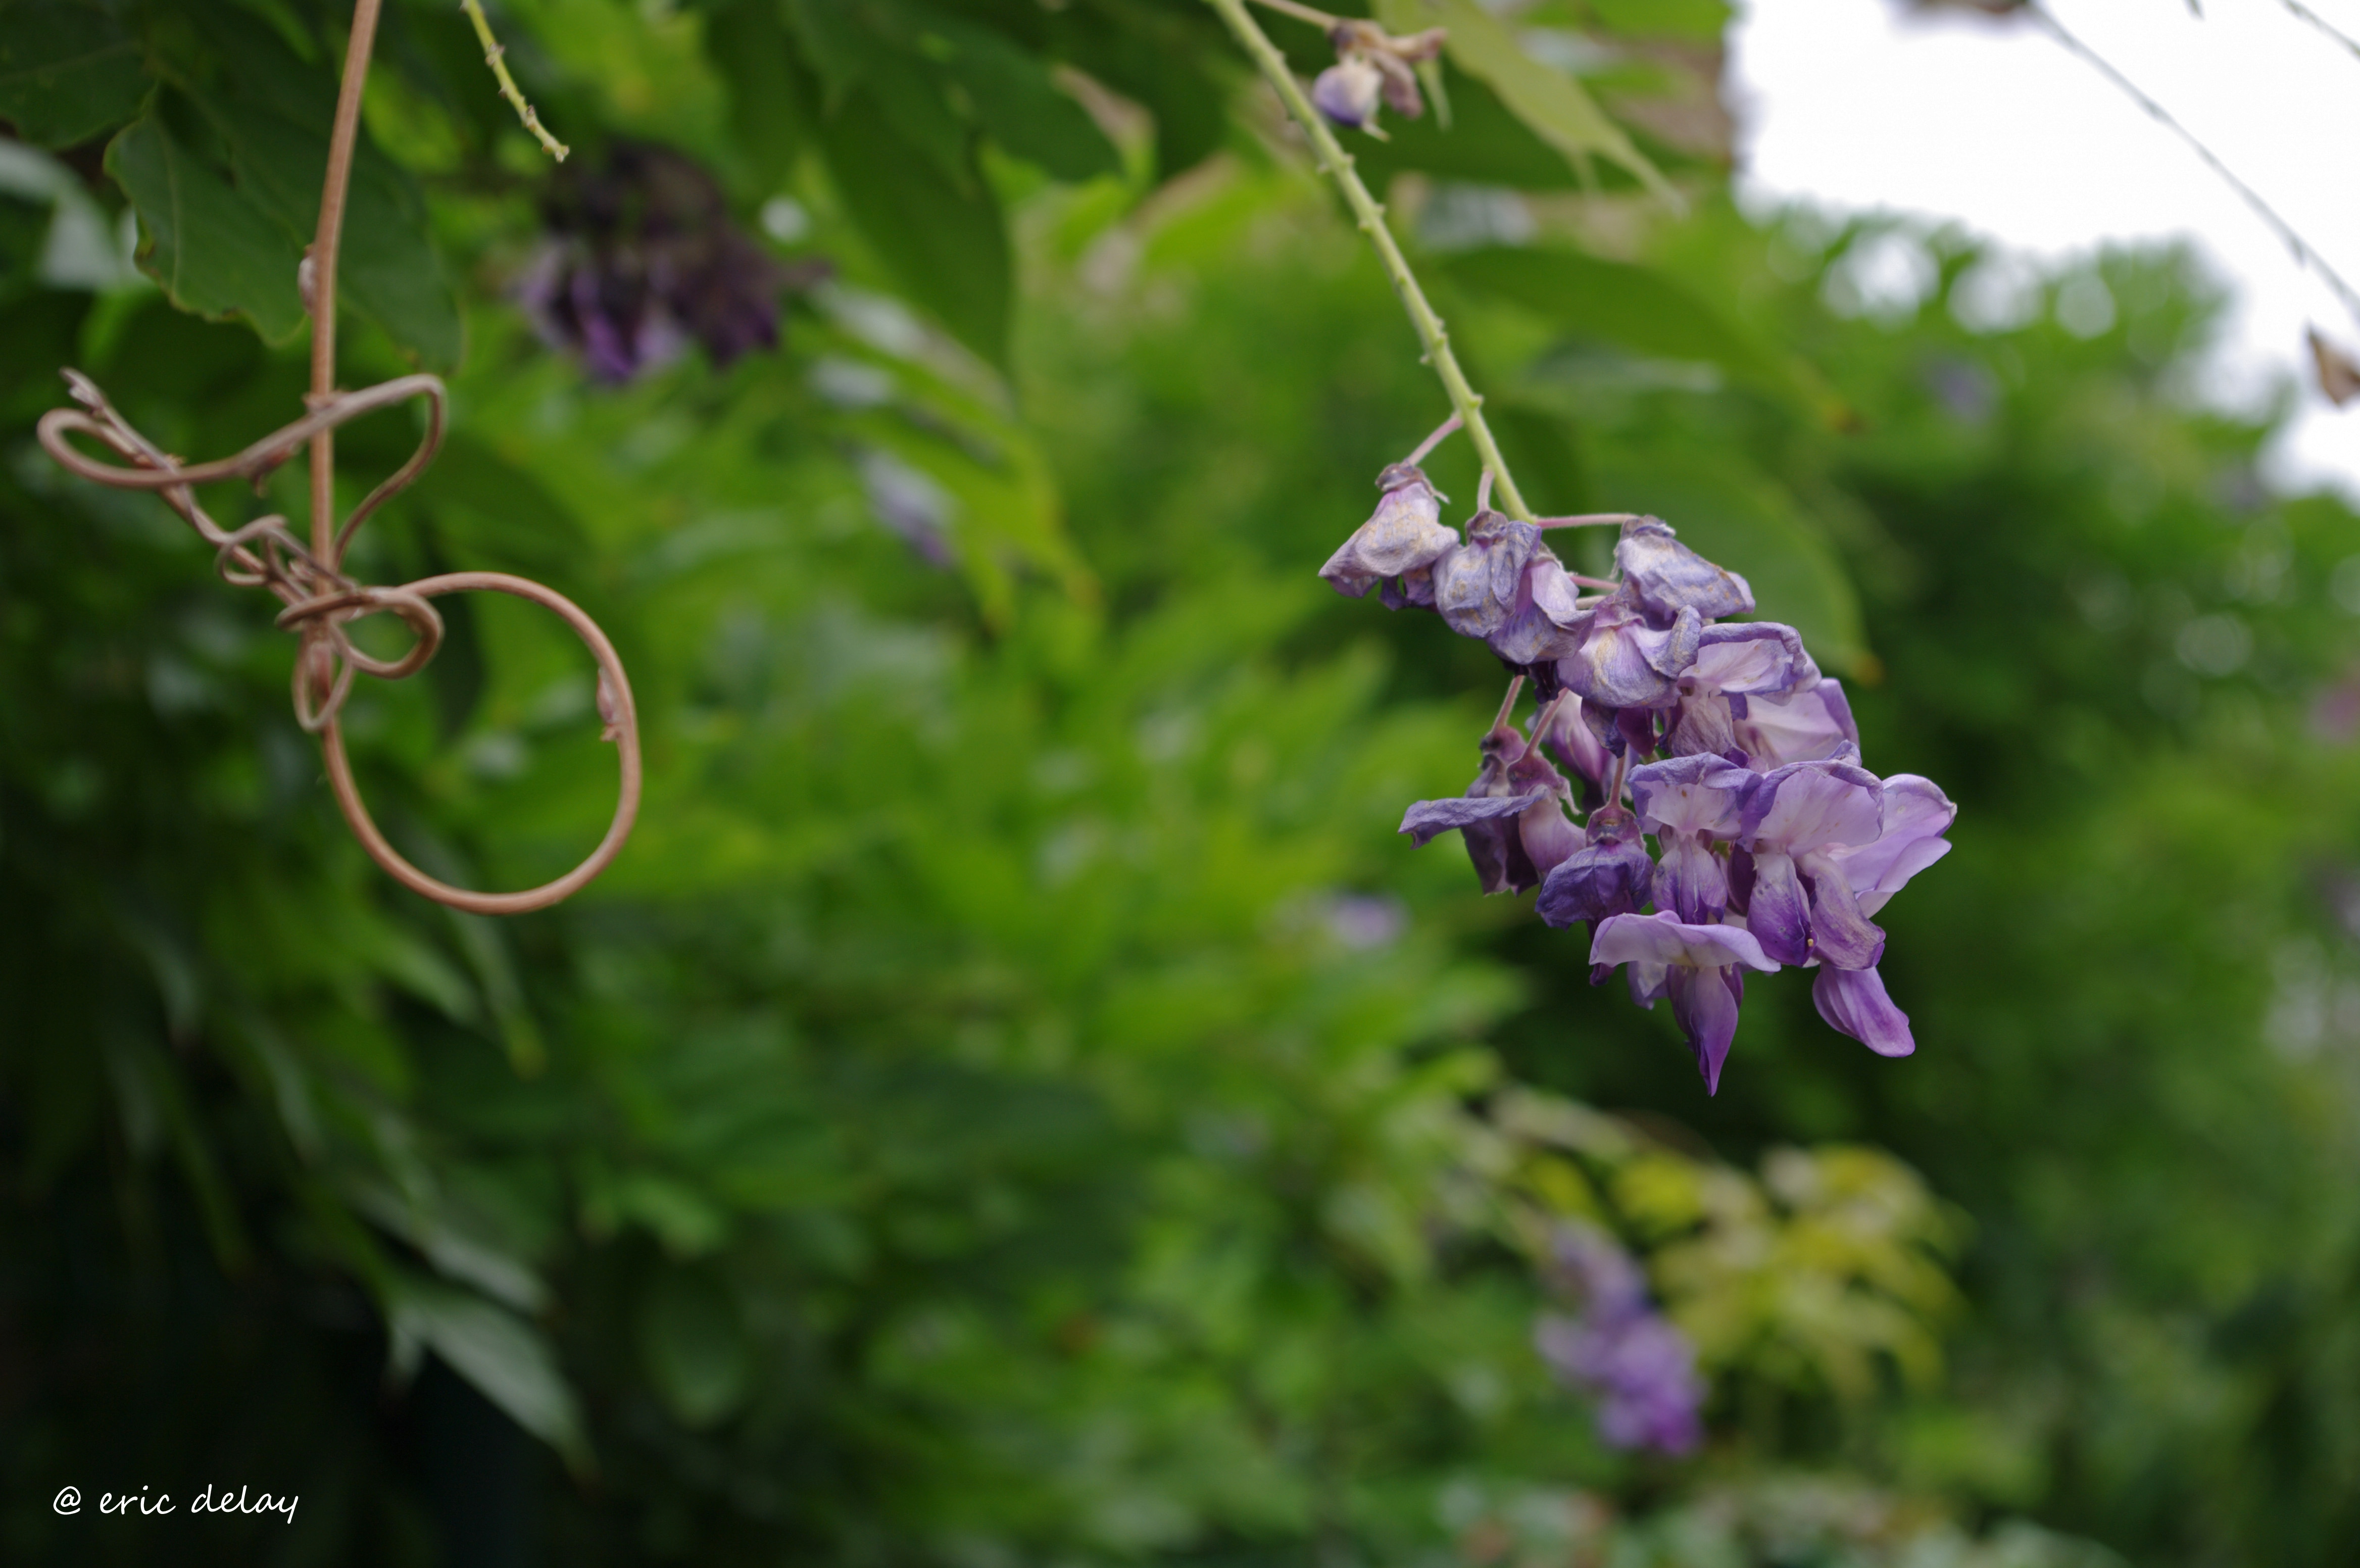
x: 1863, y: 105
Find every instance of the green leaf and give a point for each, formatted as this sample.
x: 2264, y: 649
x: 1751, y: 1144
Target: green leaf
x: 1018, y: 104
x: 387, y: 267
x: 69, y: 70
x: 693, y: 1345
x: 869, y: 49
x: 509, y: 1362
x: 214, y: 252
x: 1547, y: 100
x: 946, y: 244
x: 1639, y: 309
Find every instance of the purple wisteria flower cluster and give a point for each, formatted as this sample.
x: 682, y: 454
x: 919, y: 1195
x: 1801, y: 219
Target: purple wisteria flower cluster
x: 1660, y: 718
x: 642, y: 259
x: 1617, y: 1349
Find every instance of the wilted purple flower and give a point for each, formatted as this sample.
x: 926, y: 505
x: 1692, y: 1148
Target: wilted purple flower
x: 1692, y: 803
x: 1577, y: 747
x: 1404, y: 537
x: 1610, y: 876
x: 1548, y: 837
x: 1486, y: 816
x: 1348, y: 92
x: 1667, y: 577
x: 1797, y: 902
x: 1697, y: 966
x: 642, y: 259
x: 1623, y: 662
x: 1545, y: 621
x: 1619, y: 1350
x: 1477, y: 585
x: 1758, y: 659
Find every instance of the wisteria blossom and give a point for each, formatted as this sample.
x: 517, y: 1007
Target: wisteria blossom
x: 1691, y: 791
x: 642, y: 259
x: 1617, y: 1349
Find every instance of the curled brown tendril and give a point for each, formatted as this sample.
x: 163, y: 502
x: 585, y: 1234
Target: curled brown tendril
x: 321, y: 600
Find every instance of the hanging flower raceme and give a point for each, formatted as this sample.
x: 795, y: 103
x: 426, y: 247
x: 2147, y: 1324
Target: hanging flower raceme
x: 1617, y: 1349
x: 642, y: 259
x: 1718, y: 739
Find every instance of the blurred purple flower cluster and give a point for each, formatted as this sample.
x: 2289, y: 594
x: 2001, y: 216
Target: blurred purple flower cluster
x: 641, y: 258
x: 1659, y: 717
x: 1617, y: 1349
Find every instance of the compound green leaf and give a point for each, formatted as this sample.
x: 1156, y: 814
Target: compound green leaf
x: 69, y: 70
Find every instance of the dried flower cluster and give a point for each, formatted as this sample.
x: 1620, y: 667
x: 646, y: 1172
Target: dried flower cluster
x: 643, y: 259
x: 1617, y: 1348
x: 1661, y: 718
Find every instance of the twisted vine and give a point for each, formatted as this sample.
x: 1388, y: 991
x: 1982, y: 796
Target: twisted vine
x: 320, y: 598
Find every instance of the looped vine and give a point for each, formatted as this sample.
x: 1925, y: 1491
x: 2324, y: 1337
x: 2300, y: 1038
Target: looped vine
x: 320, y: 600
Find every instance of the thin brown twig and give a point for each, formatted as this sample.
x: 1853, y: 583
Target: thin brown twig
x: 2301, y: 249
x: 2323, y: 25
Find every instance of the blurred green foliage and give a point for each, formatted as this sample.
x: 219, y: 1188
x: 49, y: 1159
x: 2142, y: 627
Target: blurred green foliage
x: 1017, y: 1100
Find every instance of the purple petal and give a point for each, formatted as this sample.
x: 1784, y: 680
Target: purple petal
x: 1702, y: 726
x: 1854, y: 1002
x: 1624, y: 663
x: 1405, y: 534
x: 1841, y: 933
x: 1704, y: 1004
x: 1347, y: 93
x: 1692, y: 794
x: 1757, y: 658
x: 1668, y: 577
x: 1664, y: 939
x: 1649, y: 983
x: 1545, y: 622
x: 1475, y: 586
x: 1692, y: 882
x: 1916, y: 814
x: 1429, y: 818
x: 1576, y: 744
x: 1777, y: 911
x: 1596, y: 882
x: 1805, y: 726
x: 1811, y: 806
x: 1549, y: 837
